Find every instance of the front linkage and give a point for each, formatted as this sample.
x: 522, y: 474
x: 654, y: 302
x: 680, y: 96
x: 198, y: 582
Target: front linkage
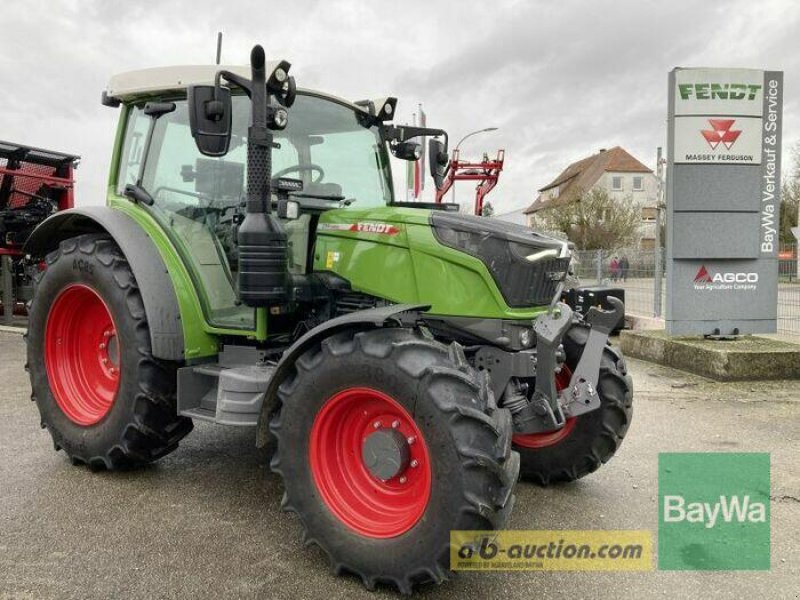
x: 548, y: 408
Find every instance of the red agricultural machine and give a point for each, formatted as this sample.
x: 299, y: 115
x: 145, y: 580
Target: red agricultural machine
x: 34, y: 184
x: 486, y: 173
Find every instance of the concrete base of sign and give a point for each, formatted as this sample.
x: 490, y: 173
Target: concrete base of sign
x: 742, y: 359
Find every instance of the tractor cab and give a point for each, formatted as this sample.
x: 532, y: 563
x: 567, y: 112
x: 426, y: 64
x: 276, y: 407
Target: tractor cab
x: 332, y: 154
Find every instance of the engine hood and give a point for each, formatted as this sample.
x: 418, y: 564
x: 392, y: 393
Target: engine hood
x: 511, y: 232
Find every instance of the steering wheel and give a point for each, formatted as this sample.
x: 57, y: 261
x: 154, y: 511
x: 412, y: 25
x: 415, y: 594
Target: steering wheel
x: 300, y: 169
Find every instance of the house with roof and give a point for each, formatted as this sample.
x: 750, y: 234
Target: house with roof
x: 615, y: 171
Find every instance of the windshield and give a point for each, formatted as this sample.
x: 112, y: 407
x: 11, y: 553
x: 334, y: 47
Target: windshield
x: 326, y: 145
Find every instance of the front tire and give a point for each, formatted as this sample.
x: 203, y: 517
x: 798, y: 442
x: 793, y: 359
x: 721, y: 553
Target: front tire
x: 589, y: 440
x: 105, y: 399
x: 448, y: 466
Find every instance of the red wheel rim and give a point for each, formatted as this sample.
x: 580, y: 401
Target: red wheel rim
x: 368, y: 505
x: 551, y: 438
x: 81, y: 354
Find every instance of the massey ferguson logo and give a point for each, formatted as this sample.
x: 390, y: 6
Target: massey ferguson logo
x: 730, y: 280
x: 721, y: 133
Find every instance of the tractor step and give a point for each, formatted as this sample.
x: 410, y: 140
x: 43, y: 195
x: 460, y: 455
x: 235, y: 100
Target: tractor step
x: 229, y: 392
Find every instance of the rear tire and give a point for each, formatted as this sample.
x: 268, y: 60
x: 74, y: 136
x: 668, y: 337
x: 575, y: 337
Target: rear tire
x: 586, y: 441
x: 105, y: 399
x: 388, y: 380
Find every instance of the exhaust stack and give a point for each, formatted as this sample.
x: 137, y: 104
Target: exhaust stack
x: 262, y: 240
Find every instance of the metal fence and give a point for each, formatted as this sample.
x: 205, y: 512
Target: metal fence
x: 635, y: 272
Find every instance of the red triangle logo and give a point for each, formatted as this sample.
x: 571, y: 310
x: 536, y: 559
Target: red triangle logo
x: 702, y: 276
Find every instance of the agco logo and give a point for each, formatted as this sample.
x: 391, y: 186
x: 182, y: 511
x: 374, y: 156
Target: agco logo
x: 725, y: 280
x: 721, y: 133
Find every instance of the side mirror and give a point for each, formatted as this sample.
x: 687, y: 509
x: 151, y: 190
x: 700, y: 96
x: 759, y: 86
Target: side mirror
x: 210, y: 118
x: 438, y: 159
x: 407, y: 150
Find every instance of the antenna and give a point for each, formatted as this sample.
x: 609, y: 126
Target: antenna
x: 219, y: 46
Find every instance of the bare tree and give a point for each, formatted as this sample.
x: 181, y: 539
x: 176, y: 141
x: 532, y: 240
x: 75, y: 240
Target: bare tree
x: 594, y: 220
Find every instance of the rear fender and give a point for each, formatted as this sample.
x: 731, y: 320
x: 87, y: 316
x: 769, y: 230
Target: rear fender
x: 158, y: 293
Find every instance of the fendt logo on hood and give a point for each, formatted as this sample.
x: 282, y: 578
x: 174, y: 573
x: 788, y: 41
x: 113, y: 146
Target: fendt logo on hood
x: 380, y: 228
x: 729, y: 280
x: 721, y: 133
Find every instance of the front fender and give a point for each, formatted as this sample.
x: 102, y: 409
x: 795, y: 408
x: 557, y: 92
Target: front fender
x: 158, y: 293
x: 363, y: 319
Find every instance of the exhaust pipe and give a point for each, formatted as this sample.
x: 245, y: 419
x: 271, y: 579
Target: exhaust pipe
x: 263, y: 247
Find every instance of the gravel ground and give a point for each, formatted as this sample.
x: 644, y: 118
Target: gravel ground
x: 205, y: 522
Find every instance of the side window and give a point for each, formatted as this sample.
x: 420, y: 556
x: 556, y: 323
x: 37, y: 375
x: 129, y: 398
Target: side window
x: 616, y: 183
x: 195, y: 198
x: 171, y: 173
x: 133, y: 148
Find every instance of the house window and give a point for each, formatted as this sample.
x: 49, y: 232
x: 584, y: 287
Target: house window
x: 638, y: 184
x: 616, y: 183
x: 649, y: 213
x: 554, y: 192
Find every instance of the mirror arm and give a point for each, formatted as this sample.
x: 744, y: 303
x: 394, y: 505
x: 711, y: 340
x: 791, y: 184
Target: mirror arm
x: 403, y: 133
x: 233, y: 78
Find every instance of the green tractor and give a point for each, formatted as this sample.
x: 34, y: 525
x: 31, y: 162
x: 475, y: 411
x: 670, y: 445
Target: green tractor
x: 408, y: 363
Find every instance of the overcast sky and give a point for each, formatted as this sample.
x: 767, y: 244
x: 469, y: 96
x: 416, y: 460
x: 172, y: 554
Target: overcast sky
x: 559, y: 79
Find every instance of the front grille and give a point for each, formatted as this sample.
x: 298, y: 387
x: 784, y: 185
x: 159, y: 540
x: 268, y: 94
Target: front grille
x: 531, y: 284
x: 505, y: 249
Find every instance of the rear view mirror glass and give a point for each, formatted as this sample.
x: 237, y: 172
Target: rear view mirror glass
x: 210, y: 118
x: 438, y: 159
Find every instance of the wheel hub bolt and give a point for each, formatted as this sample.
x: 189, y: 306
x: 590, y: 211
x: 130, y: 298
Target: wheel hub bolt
x: 105, y: 361
x: 410, y: 440
x: 395, y: 424
x: 403, y: 479
x: 377, y: 424
x: 102, y: 346
x: 414, y: 463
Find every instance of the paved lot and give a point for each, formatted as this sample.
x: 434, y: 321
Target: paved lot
x: 205, y: 522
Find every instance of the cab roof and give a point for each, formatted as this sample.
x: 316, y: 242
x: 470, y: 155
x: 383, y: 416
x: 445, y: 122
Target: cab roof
x: 133, y: 85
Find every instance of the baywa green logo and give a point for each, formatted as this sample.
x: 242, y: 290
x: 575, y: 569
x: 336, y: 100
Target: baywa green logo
x: 714, y: 511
